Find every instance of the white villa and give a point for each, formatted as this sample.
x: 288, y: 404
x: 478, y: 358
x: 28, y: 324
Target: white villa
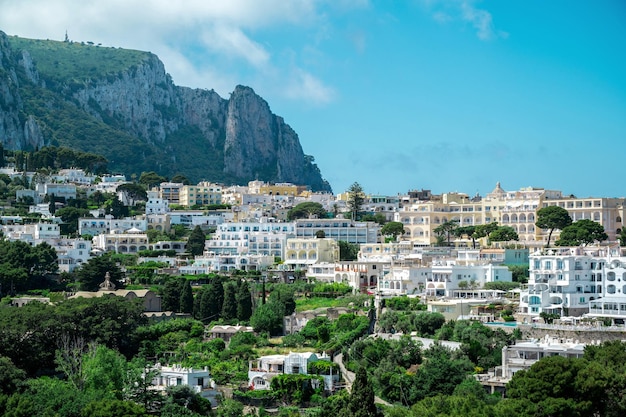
x: 524, y: 354
x: 198, y: 379
x: 262, y: 370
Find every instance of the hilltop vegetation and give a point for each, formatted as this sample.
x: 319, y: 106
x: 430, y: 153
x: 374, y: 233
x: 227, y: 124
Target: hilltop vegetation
x: 60, y: 63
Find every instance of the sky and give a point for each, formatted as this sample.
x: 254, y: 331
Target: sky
x: 443, y: 95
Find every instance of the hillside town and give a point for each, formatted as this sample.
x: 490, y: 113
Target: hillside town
x: 544, y: 270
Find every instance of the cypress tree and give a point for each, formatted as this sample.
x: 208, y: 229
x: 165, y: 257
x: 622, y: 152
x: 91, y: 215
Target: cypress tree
x: 229, y: 307
x: 186, y: 298
x: 244, y: 301
x: 361, y: 402
x: 195, y: 242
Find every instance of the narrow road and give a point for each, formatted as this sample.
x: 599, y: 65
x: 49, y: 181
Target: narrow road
x: 349, y: 378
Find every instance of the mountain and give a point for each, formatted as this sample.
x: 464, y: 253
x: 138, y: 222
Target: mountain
x: 122, y: 104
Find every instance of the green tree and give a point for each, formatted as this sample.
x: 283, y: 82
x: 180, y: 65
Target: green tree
x: 150, y: 179
x: 503, y: 234
x: 134, y: 191
x: 229, y: 307
x: 307, y: 209
x: 393, y: 229
x: 268, y: 318
x: 195, y: 242
x: 105, y: 373
x: 186, y: 298
x: 11, y: 377
x: 244, y: 301
x: 180, y: 179
x: 581, y: 232
x: 356, y: 199
x: 114, y: 408
x: 361, y: 401
x: 284, y: 294
x: 93, y: 272
x: 70, y: 217
x: 348, y: 251
x: 551, y: 218
x: 445, y: 230
x: 170, y: 294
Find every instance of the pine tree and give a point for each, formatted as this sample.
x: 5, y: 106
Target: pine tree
x: 229, y: 307
x: 186, y: 298
x: 244, y: 301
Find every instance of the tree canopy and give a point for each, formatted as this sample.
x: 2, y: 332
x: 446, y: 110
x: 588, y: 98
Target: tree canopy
x: 393, y: 229
x: 551, y: 218
x: 581, y: 232
x: 356, y: 199
x: 307, y: 210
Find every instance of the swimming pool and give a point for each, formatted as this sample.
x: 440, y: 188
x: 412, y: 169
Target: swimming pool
x: 502, y: 323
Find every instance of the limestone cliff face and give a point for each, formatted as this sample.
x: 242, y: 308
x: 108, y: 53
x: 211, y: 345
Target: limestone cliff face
x: 254, y: 135
x: 15, y: 132
x: 138, y: 109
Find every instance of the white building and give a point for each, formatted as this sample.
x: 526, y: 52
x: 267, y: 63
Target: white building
x: 71, y: 253
x: 31, y: 233
x: 198, y: 379
x: 129, y: 241
x: 564, y: 281
x: 155, y: 204
x: 302, y: 253
x: 65, y: 191
x: 339, y: 229
x: 262, y: 370
x: 523, y: 354
x: 255, y: 238
x: 96, y: 226
x: 211, y: 262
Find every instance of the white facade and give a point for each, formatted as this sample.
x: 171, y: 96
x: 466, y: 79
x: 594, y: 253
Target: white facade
x: 255, y: 238
x: 262, y: 370
x: 198, y: 379
x: 193, y: 218
x: 31, y: 233
x: 224, y: 263
x: 130, y: 241
x: 565, y: 280
x: 156, y: 205
x: 447, y: 277
x: 97, y: 226
x: 339, y: 229
x: 71, y: 253
x: 301, y: 253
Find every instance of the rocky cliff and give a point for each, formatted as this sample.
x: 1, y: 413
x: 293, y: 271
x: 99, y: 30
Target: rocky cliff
x: 123, y: 105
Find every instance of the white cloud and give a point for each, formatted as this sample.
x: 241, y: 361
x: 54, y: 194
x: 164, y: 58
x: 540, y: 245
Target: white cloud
x: 445, y: 11
x: 480, y: 19
x: 203, y: 43
x: 303, y: 85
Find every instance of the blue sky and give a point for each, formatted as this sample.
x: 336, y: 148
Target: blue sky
x: 446, y: 95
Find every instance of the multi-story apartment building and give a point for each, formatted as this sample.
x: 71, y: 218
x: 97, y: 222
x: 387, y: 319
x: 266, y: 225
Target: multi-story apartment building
x: 422, y: 212
x: 170, y: 191
x: 283, y: 188
x: 96, y: 226
x: 156, y: 204
x: 129, y: 241
x: 339, y: 229
x: 564, y: 281
x: 202, y: 194
x: 301, y: 253
x: 421, y: 218
x: 262, y: 238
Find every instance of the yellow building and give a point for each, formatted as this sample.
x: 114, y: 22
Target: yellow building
x: 202, y: 194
